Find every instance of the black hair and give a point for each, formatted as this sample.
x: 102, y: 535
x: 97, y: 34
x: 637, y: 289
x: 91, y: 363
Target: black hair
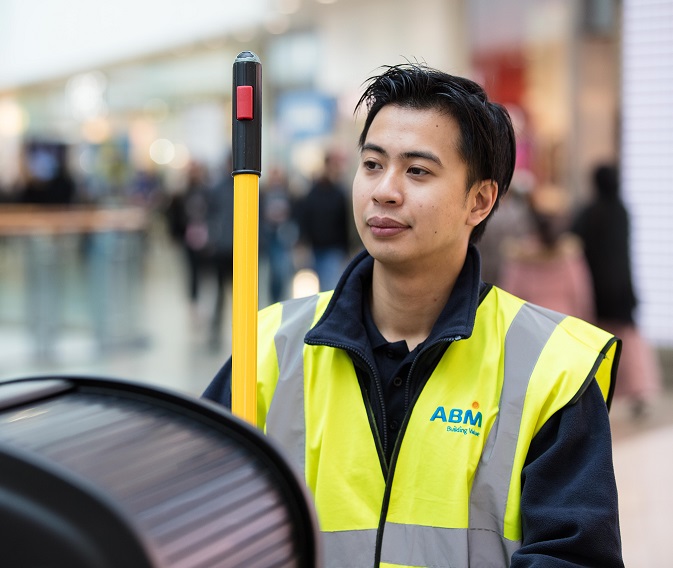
x: 487, y: 143
x: 606, y: 181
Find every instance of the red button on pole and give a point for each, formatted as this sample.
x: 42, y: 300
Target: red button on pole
x: 244, y: 102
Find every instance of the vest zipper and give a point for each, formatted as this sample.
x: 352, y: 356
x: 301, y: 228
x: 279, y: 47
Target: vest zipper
x: 409, y: 404
x: 407, y: 386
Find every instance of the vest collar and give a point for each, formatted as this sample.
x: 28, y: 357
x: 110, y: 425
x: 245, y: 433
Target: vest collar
x: 342, y: 322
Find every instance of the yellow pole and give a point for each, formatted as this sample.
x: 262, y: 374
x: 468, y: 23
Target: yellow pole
x: 245, y: 300
x: 247, y: 168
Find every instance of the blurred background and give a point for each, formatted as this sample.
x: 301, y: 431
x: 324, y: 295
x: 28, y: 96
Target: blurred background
x: 116, y: 194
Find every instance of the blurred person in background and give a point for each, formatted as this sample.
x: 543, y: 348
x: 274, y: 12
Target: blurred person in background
x: 438, y: 420
x: 201, y: 219
x: 278, y: 232
x: 512, y: 221
x: 187, y: 215
x: 219, y: 250
x: 323, y: 216
x: 604, y: 227
x: 548, y: 267
x: 48, y: 180
x: 146, y: 189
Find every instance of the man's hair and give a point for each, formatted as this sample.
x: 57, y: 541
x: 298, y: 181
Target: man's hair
x: 487, y: 143
x: 606, y: 181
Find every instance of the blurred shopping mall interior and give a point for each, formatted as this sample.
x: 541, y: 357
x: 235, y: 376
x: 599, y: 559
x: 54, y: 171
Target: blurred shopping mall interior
x: 107, y: 110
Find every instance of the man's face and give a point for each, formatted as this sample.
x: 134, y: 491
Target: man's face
x: 409, y: 192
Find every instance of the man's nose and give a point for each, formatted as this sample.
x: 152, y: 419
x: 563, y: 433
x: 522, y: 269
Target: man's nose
x: 388, y: 189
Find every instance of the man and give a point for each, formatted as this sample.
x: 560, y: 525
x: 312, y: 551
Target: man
x: 603, y: 225
x: 438, y: 420
x: 324, y: 222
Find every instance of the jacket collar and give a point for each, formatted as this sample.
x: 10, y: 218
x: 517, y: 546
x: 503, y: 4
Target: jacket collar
x: 342, y: 322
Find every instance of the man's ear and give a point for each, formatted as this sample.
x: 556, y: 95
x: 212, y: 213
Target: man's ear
x: 482, y: 198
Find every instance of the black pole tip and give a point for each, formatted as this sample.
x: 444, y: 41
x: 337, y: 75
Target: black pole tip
x: 247, y: 56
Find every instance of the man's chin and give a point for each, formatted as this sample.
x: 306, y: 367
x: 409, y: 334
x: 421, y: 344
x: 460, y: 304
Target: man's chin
x: 390, y: 258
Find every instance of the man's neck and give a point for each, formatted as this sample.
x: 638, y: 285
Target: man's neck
x: 405, y: 306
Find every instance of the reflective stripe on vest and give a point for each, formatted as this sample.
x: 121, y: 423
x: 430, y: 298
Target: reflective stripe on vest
x: 481, y: 544
x: 491, y: 484
x: 286, y: 414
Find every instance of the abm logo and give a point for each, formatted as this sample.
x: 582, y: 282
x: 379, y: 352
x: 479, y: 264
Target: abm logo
x: 460, y: 420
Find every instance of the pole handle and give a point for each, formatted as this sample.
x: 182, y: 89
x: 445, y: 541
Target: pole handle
x: 247, y: 114
x: 246, y: 169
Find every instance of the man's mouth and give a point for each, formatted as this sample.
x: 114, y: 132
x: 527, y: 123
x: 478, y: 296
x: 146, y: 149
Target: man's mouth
x: 385, y: 227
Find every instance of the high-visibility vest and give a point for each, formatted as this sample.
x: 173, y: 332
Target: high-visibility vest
x: 452, y: 494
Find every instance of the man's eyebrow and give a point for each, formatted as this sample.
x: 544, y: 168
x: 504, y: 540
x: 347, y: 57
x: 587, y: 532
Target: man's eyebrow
x: 404, y: 155
x: 423, y: 155
x: 374, y: 148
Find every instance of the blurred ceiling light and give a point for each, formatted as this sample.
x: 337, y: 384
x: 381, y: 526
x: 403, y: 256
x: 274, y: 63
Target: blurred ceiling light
x: 277, y: 24
x: 305, y: 283
x: 326, y: 1
x: 96, y: 130
x: 86, y: 94
x: 13, y: 118
x: 307, y: 158
x: 181, y: 158
x: 156, y: 109
x: 287, y: 6
x: 142, y: 132
x: 162, y: 151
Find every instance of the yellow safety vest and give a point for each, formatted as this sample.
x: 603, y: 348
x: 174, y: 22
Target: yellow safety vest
x: 452, y: 494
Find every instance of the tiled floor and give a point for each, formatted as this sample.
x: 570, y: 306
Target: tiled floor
x: 644, y: 469
x: 177, y: 356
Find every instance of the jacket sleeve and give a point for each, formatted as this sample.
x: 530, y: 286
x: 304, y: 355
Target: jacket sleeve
x: 219, y: 389
x: 569, y: 494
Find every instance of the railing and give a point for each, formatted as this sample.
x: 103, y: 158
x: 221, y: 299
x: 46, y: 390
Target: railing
x: 111, y: 253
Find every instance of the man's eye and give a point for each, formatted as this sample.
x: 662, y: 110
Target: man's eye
x: 370, y: 165
x: 417, y: 171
